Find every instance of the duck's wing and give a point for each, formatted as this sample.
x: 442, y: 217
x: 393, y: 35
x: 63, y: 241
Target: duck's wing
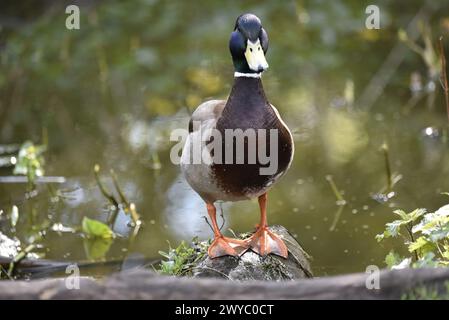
x: 198, y: 174
x: 209, y: 110
x: 289, y: 134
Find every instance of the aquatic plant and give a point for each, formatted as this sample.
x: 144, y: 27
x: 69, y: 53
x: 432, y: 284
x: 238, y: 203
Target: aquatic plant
x: 425, y: 235
x: 98, y: 238
x: 182, y: 259
x: 443, y: 76
x: 128, y: 208
x: 340, y: 201
x: 30, y: 162
x: 427, y: 52
x: 96, y: 229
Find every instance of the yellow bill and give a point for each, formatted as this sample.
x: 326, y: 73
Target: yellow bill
x: 255, y: 57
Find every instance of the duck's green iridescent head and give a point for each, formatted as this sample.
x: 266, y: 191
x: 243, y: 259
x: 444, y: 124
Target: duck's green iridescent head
x: 249, y: 44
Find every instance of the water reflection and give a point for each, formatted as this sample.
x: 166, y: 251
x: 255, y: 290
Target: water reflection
x: 185, y: 212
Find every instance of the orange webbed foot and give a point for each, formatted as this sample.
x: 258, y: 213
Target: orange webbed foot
x: 264, y: 242
x: 223, y: 246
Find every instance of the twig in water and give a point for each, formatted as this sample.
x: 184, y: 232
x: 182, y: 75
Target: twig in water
x: 336, y: 218
x: 341, y: 202
x: 103, y: 189
x: 119, y: 190
x: 16, y: 260
x: 386, y: 153
x: 392, y: 178
x: 156, y: 164
x: 3, y: 271
x: 130, y: 207
x: 338, y: 195
x: 443, y: 76
x: 45, y: 136
x: 134, y: 215
x: 137, y: 226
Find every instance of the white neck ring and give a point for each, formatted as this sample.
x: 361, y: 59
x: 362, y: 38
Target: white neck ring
x: 247, y: 75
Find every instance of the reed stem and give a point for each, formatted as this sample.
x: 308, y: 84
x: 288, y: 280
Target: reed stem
x: 443, y: 76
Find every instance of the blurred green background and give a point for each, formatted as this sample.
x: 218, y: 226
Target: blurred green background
x: 111, y: 92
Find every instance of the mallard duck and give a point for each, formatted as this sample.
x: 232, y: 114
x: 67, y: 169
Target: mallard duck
x: 247, y: 107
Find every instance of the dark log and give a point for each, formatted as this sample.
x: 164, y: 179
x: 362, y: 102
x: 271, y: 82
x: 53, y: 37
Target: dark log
x: 145, y: 284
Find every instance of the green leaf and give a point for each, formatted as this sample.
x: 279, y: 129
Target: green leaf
x: 423, y: 244
x: 97, y: 248
x: 417, y: 213
x: 96, y: 229
x: 410, y: 217
x: 432, y: 235
x: 393, y: 228
x: 164, y: 254
x: 440, y: 234
x: 181, y: 259
x: 392, y: 259
x: 435, y: 225
x: 379, y: 237
x: 401, y: 213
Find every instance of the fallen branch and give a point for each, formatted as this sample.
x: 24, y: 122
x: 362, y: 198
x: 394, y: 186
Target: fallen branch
x: 135, y: 285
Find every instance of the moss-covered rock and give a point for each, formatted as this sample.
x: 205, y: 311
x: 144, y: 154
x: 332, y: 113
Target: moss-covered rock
x: 251, y: 266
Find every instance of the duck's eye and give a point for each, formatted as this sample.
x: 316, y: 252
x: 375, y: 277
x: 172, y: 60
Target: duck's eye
x: 258, y: 48
x: 251, y: 49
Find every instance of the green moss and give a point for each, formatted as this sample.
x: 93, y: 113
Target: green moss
x: 275, y: 269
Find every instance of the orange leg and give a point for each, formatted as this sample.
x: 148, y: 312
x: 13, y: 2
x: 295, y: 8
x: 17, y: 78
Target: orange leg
x: 223, y: 246
x: 263, y: 241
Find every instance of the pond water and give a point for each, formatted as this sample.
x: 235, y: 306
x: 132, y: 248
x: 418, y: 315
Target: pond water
x: 111, y: 92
